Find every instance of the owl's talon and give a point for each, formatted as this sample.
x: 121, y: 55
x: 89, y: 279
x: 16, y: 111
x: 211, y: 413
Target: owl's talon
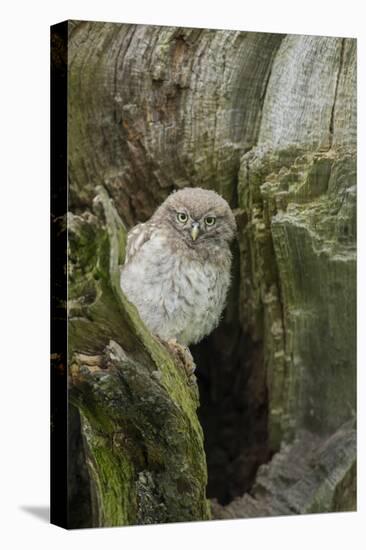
x: 184, y: 357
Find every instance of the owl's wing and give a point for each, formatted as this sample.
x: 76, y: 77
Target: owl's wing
x: 136, y: 237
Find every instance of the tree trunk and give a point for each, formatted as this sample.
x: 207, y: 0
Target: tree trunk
x: 268, y: 121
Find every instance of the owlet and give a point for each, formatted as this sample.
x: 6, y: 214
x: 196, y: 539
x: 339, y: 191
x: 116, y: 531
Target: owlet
x: 177, y: 266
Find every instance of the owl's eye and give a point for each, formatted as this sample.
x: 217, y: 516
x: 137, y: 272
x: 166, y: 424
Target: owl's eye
x: 210, y: 220
x: 182, y: 217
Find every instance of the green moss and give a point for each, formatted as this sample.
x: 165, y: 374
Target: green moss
x: 113, y: 476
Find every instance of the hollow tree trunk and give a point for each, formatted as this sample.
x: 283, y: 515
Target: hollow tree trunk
x: 269, y: 121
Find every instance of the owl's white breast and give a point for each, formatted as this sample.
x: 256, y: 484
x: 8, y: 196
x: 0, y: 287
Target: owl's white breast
x: 177, y: 296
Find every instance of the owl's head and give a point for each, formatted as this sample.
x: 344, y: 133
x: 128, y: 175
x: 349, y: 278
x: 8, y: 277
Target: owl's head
x: 199, y: 216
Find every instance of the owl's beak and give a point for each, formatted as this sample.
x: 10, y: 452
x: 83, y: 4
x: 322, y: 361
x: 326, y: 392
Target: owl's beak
x: 195, y: 230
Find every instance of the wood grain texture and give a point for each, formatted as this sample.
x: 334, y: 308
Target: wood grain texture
x: 158, y: 108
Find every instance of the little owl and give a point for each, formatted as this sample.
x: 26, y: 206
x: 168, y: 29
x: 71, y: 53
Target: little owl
x: 177, y: 266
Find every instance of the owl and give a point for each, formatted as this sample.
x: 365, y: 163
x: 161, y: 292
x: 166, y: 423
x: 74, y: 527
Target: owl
x: 178, y: 263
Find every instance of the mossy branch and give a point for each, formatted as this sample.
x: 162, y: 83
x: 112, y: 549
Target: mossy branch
x: 144, y: 444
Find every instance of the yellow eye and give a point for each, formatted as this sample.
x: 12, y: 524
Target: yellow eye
x: 182, y: 217
x: 210, y: 220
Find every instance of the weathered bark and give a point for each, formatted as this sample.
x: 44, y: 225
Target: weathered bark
x: 156, y: 108
x: 269, y: 121
x: 312, y: 475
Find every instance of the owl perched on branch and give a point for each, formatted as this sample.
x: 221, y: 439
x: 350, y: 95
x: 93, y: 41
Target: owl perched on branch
x: 177, y: 266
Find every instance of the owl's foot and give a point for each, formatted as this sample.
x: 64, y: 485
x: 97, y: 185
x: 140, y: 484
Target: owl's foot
x: 184, y: 357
